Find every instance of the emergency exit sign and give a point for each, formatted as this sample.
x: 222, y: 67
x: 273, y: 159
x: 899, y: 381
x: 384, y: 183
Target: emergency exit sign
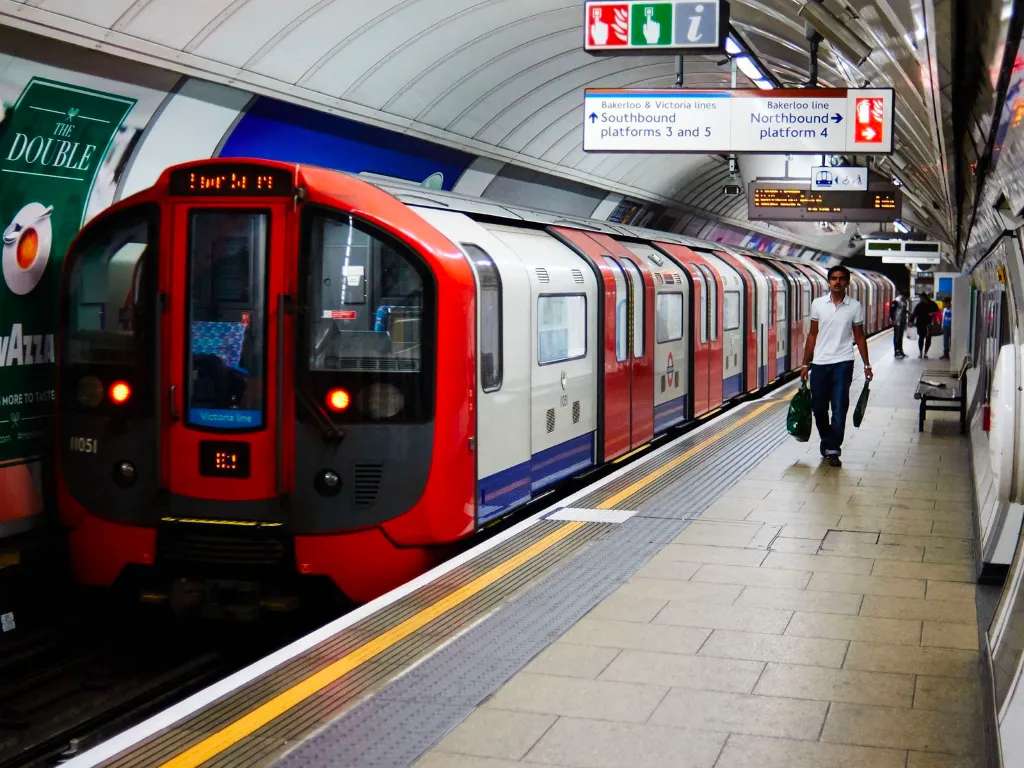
x: 672, y: 26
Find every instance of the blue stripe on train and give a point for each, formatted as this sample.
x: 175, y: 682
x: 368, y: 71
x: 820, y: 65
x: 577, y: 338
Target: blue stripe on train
x: 781, y: 365
x: 732, y: 386
x: 503, y: 491
x: 669, y: 413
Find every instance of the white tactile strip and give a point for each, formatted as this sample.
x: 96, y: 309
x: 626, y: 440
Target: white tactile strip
x: 581, y: 515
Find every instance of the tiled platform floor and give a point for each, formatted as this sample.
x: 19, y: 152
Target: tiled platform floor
x: 811, y: 617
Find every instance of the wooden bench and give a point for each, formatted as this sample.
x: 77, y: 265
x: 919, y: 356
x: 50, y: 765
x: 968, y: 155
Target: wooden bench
x: 943, y: 391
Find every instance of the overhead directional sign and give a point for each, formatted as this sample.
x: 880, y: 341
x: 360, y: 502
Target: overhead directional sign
x: 908, y: 259
x: 785, y: 200
x: 827, y: 177
x: 788, y: 120
x: 673, y: 26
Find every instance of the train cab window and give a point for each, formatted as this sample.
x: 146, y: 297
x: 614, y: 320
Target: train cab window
x: 107, y: 300
x: 621, y: 312
x: 227, y: 338
x: 561, y: 328
x: 639, y: 307
x: 489, y: 281
x: 731, y: 310
x: 365, y: 307
x: 668, y: 317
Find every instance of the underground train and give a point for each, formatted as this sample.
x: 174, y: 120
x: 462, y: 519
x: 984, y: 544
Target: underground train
x: 272, y: 370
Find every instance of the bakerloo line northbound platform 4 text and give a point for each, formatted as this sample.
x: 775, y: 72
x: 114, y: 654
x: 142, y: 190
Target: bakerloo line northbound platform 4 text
x: 641, y: 116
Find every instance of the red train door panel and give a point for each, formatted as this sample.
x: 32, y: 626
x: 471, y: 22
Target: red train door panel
x: 222, y: 351
x: 641, y: 362
x: 615, y: 385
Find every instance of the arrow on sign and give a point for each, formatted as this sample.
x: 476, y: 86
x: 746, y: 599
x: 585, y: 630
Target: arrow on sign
x: 593, y: 117
x: 868, y: 133
x: 837, y: 118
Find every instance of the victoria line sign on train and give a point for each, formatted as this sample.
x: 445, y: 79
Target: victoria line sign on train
x: 785, y: 120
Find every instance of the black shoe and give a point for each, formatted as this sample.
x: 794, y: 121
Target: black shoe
x: 833, y: 461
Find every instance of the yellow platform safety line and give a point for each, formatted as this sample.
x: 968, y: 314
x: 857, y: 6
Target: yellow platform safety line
x: 612, y: 501
x: 249, y: 723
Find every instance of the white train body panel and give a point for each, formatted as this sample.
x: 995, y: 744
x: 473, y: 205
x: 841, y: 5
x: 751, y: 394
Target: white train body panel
x: 562, y: 355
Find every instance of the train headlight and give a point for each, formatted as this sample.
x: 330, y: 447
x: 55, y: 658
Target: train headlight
x: 381, y: 400
x: 120, y: 392
x: 125, y: 474
x: 338, y: 399
x: 327, y: 482
x: 89, y: 391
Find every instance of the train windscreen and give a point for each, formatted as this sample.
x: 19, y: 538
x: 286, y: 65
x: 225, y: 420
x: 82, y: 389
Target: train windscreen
x: 366, y: 302
x: 107, y: 306
x: 227, y: 338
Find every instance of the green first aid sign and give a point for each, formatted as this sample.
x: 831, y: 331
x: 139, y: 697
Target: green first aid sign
x: 52, y: 143
x: 651, y: 24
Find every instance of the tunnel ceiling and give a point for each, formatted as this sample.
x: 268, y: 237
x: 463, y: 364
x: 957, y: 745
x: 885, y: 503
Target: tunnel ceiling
x: 504, y: 78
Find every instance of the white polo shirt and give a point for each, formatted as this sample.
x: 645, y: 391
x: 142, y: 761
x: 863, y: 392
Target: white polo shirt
x: 835, y: 328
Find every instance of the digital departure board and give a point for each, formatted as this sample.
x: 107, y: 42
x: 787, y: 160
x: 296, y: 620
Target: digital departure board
x: 783, y: 200
x: 232, y: 181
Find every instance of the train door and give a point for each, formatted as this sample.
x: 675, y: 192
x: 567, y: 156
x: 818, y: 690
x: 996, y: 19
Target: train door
x: 778, y: 329
x: 749, y: 326
x: 641, y: 351
x: 671, y: 349
x: 762, y: 315
x: 224, y: 375
x: 731, y: 313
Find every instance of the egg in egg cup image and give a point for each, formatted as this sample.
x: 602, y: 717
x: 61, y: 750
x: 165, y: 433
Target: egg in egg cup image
x: 27, y: 242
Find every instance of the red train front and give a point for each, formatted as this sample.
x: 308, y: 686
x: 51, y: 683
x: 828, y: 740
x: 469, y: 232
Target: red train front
x: 229, y: 407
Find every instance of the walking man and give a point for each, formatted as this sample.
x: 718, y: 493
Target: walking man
x: 837, y: 323
x: 898, y: 318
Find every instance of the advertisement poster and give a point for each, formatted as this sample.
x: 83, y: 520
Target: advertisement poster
x: 53, y: 140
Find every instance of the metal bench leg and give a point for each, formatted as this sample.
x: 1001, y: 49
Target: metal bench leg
x: 920, y: 416
x: 963, y: 412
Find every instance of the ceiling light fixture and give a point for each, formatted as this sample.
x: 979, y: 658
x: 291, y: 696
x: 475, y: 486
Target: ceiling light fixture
x: 843, y: 39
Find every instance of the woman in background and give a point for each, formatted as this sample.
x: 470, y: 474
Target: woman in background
x: 921, y: 317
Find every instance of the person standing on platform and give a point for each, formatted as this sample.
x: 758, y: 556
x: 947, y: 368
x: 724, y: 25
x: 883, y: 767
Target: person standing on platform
x: 837, y: 323
x: 898, y: 319
x: 947, y: 326
x: 921, y: 317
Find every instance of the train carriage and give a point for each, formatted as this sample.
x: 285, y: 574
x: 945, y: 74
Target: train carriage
x: 270, y: 371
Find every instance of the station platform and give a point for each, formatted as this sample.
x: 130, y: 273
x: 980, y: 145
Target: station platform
x: 727, y: 601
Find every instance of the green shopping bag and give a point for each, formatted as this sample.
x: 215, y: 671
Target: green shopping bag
x: 862, y: 405
x: 798, y: 421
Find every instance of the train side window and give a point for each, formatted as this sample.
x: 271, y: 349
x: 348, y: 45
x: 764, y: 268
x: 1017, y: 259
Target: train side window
x: 490, y: 317
x: 713, y: 301
x: 805, y: 297
x: 780, y: 306
x: 621, y: 312
x: 731, y: 310
x: 668, y: 314
x: 639, y: 307
x: 561, y: 328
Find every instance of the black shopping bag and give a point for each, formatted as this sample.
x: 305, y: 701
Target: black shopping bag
x: 862, y: 405
x: 798, y: 421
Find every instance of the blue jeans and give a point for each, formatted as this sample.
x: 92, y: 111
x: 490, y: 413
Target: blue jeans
x: 830, y: 389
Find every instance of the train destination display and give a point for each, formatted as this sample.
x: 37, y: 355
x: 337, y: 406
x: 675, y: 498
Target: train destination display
x: 784, y: 200
x: 787, y: 120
